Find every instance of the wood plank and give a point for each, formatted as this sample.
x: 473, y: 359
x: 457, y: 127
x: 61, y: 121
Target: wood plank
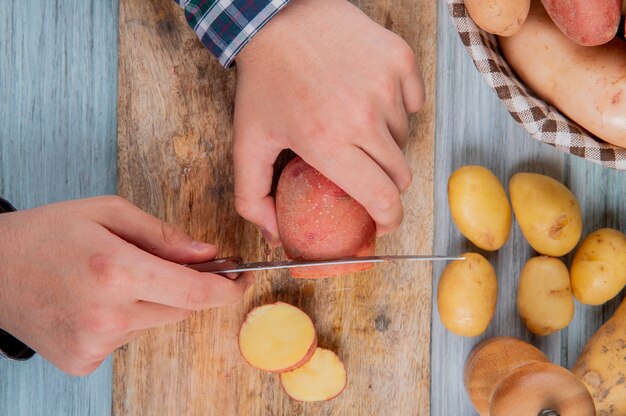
x: 58, y: 74
x: 473, y: 127
x: 175, y: 107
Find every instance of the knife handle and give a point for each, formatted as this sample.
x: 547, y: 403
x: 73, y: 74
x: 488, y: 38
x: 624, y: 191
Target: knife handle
x: 214, y: 266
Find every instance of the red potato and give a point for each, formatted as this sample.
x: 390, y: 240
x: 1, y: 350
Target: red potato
x: 322, y: 378
x: 586, y: 22
x: 277, y: 337
x: 588, y: 84
x: 317, y: 220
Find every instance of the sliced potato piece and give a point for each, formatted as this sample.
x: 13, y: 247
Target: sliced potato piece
x: 277, y: 337
x: 322, y: 378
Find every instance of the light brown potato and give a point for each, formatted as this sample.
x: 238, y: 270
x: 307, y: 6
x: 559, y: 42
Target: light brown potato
x: 500, y: 17
x: 479, y: 206
x: 586, y: 83
x: 544, y: 297
x: 602, y: 367
x: 547, y: 212
x: 467, y: 295
x: 598, y: 270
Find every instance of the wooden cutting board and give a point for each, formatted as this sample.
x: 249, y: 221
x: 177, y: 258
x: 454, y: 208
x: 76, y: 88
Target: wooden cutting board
x: 174, y: 130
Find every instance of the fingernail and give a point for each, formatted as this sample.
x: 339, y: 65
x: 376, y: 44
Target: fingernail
x: 271, y: 239
x: 200, y: 246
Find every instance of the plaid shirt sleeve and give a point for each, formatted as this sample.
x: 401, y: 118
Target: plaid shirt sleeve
x: 225, y: 26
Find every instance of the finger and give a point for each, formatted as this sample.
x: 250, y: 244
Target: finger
x: 171, y: 284
x: 254, y: 169
x: 357, y: 174
x: 149, y: 315
x: 150, y: 233
x: 413, y: 88
x: 398, y: 124
x: 386, y: 153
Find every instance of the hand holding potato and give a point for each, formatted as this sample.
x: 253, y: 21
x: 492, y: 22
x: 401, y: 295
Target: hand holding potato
x: 325, y: 81
x: 79, y: 279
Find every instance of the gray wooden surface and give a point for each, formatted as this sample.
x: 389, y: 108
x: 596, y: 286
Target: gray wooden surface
x: 474, y: 128
x: 58, y: 88
x: 57, y: 141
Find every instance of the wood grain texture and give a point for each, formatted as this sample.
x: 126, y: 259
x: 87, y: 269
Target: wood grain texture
x: 473, y: 127
x: 175, y: 108
x: 58, y: 77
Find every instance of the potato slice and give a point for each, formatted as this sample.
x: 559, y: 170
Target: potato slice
x: 322, y: 378
x: 277, y: 337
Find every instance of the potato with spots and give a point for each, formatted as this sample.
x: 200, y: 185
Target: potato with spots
x: 602, y: 365
x: 317, y: 220
x: 479, y: 206
x: 544, y: 296
x: 500, y: 17
x: 547, y: 212
x: 467, y: 295
x: 598, y: 270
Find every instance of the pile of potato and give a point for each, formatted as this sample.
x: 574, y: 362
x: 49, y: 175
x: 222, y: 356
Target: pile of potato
x: 550, y: 219
x: 569, y: 53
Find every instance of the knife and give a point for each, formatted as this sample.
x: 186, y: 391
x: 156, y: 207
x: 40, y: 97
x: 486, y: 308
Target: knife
x: 228, y: 265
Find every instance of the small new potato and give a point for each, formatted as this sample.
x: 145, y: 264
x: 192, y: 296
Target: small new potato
x: 547, y: 212
x: 467, y: 295
x: 598, y: 270
x: 500, y: 17
x: 544, y: 297
x: 479, y: 207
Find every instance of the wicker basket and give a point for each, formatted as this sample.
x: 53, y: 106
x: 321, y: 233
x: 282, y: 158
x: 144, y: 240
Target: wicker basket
x: 543, y: 121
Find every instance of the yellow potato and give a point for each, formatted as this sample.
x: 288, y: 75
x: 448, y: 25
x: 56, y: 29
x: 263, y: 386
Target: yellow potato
x: 467, y: 295
x: 500, y: 17
x: 479, y: 206
x: 547, y: 212
x: 544, y: 297
x: 601, y: 365
x: 598, y: 270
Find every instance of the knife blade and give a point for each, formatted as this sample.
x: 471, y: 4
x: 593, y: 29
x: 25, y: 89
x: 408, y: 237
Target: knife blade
x: 236, y: 265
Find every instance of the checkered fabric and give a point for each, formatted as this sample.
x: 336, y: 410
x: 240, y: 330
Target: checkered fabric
x: 543, y: 121
x: 225, y: 26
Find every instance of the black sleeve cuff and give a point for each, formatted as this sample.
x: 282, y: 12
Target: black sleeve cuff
x: 11, y: 347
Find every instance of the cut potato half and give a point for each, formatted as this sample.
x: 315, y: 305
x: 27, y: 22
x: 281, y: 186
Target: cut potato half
x: 322, y: 378
x: 277, y: 337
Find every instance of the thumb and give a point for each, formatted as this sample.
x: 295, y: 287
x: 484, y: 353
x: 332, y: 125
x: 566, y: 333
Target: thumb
x: 149, y: 233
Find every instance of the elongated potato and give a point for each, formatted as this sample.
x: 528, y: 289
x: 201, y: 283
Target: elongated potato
x: 547, y: 212
x: 586, y: 22
x: 598, y: 270
x: 467, y: 295
x: 479, y: 206
x: 586, y: 83
x: 500, y: 17
x: 544, y: 297
x: 602, y: 367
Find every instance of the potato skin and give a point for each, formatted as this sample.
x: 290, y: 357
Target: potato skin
x: 479, y: 206
x: 544, y: 297
x: 586, y: 83
x: 317, y: 220
x: 467, y: 295
x: 500, y: 17
x: 586, y: 22
x: 598, y: 270
x: 602, y: 367
x: 547, y: 212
